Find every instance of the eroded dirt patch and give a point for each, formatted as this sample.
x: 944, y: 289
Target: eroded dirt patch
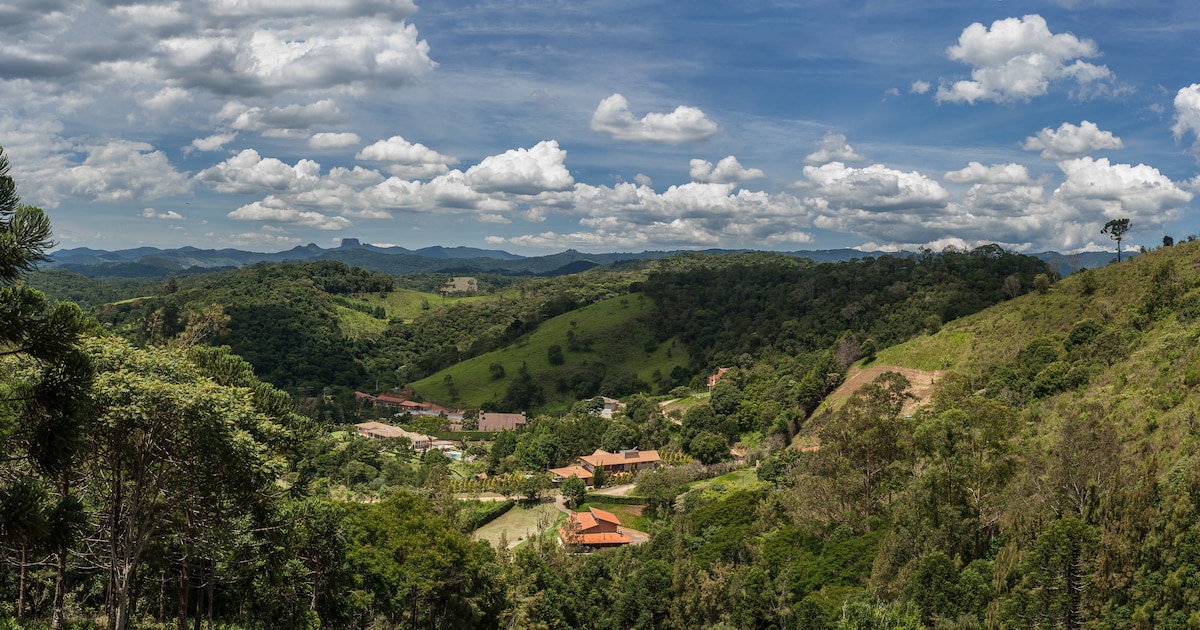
x: 923, y: 382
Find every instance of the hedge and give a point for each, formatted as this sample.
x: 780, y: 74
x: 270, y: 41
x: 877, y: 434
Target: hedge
x: 593, y: 497
x: 491, y: 511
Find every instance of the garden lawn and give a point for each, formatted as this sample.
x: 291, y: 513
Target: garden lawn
x: 521, y: 523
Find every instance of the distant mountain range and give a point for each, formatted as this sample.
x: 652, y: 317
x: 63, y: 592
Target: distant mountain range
x: 152, y: 262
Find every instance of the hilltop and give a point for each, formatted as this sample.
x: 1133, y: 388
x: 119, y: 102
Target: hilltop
x: 157, y: 263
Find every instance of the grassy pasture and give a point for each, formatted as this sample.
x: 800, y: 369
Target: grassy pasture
x: 616, y: 339
x: 520, y: 524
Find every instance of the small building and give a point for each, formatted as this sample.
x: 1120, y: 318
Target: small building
x: 629, y: 460
x: 611, y: 406
x: 594, y: 529
x: 712, y: 380
x: 490, y: 421
x: 379, y: 430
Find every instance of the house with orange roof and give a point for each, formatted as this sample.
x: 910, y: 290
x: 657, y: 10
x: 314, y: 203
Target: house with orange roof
x: 594, y: 529
x: 629, y: 460
x: 712, y: 379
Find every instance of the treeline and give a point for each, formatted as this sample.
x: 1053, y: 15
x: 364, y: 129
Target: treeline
x: 727, y: 306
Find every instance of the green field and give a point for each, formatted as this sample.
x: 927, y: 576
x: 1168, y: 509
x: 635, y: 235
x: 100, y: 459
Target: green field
x: 936, y: 352
x: 403, y: 305
x: 616, y: 340
x: 521, y: 523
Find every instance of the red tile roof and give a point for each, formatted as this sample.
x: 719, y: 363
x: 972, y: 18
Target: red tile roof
x: 606, y: 538
x: 601, y: 515
x: 578, y: 471
x: 604, y: 458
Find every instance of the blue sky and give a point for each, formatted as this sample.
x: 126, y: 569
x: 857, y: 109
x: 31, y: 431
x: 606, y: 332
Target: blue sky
x: 536, y: 126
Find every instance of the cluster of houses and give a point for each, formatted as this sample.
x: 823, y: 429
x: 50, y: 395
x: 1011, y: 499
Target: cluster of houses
x: 487, y: 420
x: 404, y: 405
x: 594, y: 529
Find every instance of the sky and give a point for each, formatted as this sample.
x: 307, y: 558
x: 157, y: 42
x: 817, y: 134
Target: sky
x: 535, y: 126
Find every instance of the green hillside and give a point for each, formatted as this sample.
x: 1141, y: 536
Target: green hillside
x: 1121, y: 339
x: 602, y: 344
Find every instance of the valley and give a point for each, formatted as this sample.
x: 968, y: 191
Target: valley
x: 900, y: 439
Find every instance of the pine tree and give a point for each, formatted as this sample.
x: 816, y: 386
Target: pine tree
x: 44, y: 387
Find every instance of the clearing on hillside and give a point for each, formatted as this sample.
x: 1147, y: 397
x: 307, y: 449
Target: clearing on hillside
x: 922, y: 385
x: 923, y: 382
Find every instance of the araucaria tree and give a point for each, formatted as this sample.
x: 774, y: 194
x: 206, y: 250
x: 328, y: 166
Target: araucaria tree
x: 44, y: 384
x: 1116, y: 229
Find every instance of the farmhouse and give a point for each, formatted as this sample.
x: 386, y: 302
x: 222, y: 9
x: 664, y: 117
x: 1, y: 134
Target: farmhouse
x: 379, y: 430
x: 629, y: 460
x: 593, y: 529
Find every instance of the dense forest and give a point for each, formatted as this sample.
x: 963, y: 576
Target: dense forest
x: 182, y: 453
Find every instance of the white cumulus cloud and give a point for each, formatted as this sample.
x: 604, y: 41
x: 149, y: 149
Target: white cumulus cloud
x: 330, y: 140
x: 411, y: 160
x: 117, y: 170
x: 1017, y: 59
x: 1070, y: 141
x: 875, y: 188
x: 165, y: 215
x: 275, y: 210
x: 289, y: 118
x: 210, y: 143
x: 264, y: 57
x: 1187, y: 112
x: 833, y: 148
x: 727, y: 171
x: 249, y: 172
x: 684, y: 124
x: 522, y: 171
x: 1114, y: 191
x: 976, y: 173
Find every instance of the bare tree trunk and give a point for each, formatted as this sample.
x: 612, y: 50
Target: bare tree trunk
x: 60, y: 567
x: 60, y: 587
x: 212, y: 588
x: 21, y: 587
x: 199, y: 599
x: 113, y: 533
x: 184, y: 579
x: 121, y: 619
x: 162, y: 594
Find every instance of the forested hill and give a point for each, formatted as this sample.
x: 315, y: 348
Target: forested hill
x: 1053, y: 480
x: 318, y: 324
x: 747, y: 304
